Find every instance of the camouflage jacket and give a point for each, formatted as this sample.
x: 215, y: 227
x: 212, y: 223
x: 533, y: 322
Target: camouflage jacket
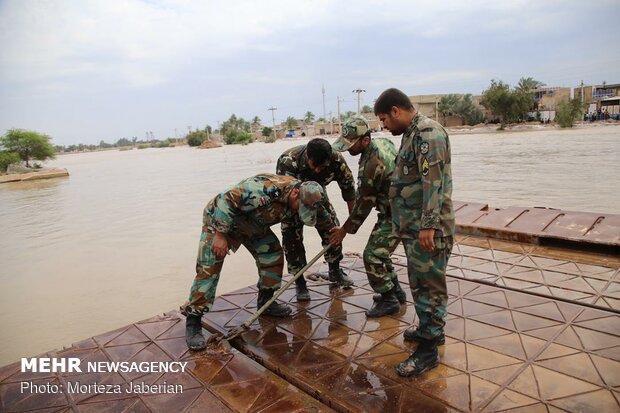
x: 259, y: 201
x: 421, y: 188
x: 294, y: 162
x: 373, y: 182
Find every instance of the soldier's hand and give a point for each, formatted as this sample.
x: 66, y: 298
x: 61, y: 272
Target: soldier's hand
x: 220, y: 245
x: 426, y: 239
x: 336, y: 235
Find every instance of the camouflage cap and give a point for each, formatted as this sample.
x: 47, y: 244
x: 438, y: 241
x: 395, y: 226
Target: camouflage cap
x: 352, y: 129
x: 310, y: 197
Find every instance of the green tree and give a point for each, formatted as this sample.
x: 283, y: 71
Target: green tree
x: 237, y: 136
x: 529, y: 84
x: 290, y: 122
x: 8, y: 158
x: 308, y: 117
x: 498, y: 99
x: 568, y: 112
x: 466, y: 109
x: 196, y: 138
x: 209, y: 129
x: 446, y: 105
x: 28, y: 145
x: 266, y: 131
x: 321, y: 120
x: 366, y: 109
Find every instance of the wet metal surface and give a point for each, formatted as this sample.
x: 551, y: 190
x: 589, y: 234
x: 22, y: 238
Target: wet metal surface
x: 521, y: 336
x: 531, y: 224
x: 505, y: 350
x: 224, y: 381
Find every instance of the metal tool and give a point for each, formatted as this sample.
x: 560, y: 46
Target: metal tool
x: 216, y: 338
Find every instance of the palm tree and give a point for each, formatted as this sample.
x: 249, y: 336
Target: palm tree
x: 290, y: 122
x: 529, y: 84
x: 309, y: 117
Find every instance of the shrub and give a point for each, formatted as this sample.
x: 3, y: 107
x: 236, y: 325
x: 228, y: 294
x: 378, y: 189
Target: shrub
x: 143, y: 146
x: 8, y: 158
x: 196, y: 138
x: 568, y: 112
x: 233, y: 136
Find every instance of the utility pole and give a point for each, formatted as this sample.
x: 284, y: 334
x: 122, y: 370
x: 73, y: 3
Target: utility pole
x: 331, y: 123
x: 358, y: 91
x: 323, y: 90
x: 339, y: 122
x: 273, y: 120
x: 582, y: 97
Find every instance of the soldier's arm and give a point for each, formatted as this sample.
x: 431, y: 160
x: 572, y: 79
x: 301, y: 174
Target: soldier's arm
x: 345, y: 179
x: 431, y: 166
x: 366, y: 197
x: 286, y: 166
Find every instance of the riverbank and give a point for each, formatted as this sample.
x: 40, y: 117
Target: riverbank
x: 32, y: 176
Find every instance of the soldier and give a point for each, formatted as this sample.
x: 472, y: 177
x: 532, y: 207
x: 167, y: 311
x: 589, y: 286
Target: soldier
x: 423, y: 217
x: 243, y: 215
x: 315, y: 162
x: 376, y: 165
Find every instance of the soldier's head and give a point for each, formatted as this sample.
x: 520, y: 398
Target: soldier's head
x: 306, y: 198
x: 355, y: 136
x: 394, y: 110
x: 319, y: 153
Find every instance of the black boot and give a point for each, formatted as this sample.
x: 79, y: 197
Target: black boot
x: 388, y: 304
x: 338, y: 277
x: 275, y: 309
x: 413, y: 334
x: 193, y: 333
x: 301, y: 289
x: 423, y: 359
x: 400, y: 293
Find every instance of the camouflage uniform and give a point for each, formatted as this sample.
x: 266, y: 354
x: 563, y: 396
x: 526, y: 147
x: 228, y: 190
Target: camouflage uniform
x: 294, y: 163
x: 244, y: 214
x: 420, y: 197
x: 376, y: 165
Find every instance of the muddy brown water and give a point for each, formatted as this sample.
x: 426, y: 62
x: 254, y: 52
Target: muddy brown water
x: 116, y: 241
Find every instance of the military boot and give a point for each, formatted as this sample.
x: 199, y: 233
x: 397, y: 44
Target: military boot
x: 423, y: 359
x: 275, y: 309
x: 413, y: 334
x: 400, y: 293
x: 193, y: 333
x: 301, y: 289
x: 338, y: 277
x: 388, y: 304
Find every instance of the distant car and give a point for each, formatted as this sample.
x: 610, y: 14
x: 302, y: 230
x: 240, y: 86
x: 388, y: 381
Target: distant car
x: 290, y: 134
x: 615, y: 116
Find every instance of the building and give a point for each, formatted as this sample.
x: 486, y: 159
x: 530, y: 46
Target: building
x: 603, y: 97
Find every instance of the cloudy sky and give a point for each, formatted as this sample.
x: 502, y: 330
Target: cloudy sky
x: 83, y: 71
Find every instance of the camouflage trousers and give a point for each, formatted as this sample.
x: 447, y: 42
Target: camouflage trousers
x: 427, y: 280
x: 381, y: 244
x: 293, y: 243
x: 264, y: 247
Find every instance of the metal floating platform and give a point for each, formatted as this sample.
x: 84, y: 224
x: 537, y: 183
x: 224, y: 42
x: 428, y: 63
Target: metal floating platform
x: 531, y: 327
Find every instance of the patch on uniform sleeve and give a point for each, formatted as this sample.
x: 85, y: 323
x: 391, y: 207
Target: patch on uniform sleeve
x: 405, y: 170
x: 263, y: 201
x: 425, y: 167
x: 424, y: 148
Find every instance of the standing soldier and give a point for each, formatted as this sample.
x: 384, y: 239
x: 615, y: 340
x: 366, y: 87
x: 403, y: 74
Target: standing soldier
x: 315, y: 162
x: 243, y: 215
x: 376, y: 165
x: 423, y: 217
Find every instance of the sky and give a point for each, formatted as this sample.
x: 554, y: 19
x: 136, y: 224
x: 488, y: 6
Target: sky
x: 84, y: 71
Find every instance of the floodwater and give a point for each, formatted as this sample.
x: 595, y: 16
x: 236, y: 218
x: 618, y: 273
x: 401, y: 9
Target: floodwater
x: 116, y: 241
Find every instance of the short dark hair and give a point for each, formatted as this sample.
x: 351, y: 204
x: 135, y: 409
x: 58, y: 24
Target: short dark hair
x: 319, y: 150
x: 392, y: 97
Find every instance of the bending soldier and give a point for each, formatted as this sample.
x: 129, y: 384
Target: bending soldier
x: 315, y: 162
x: 243, y: 215
x: 376, y: 165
